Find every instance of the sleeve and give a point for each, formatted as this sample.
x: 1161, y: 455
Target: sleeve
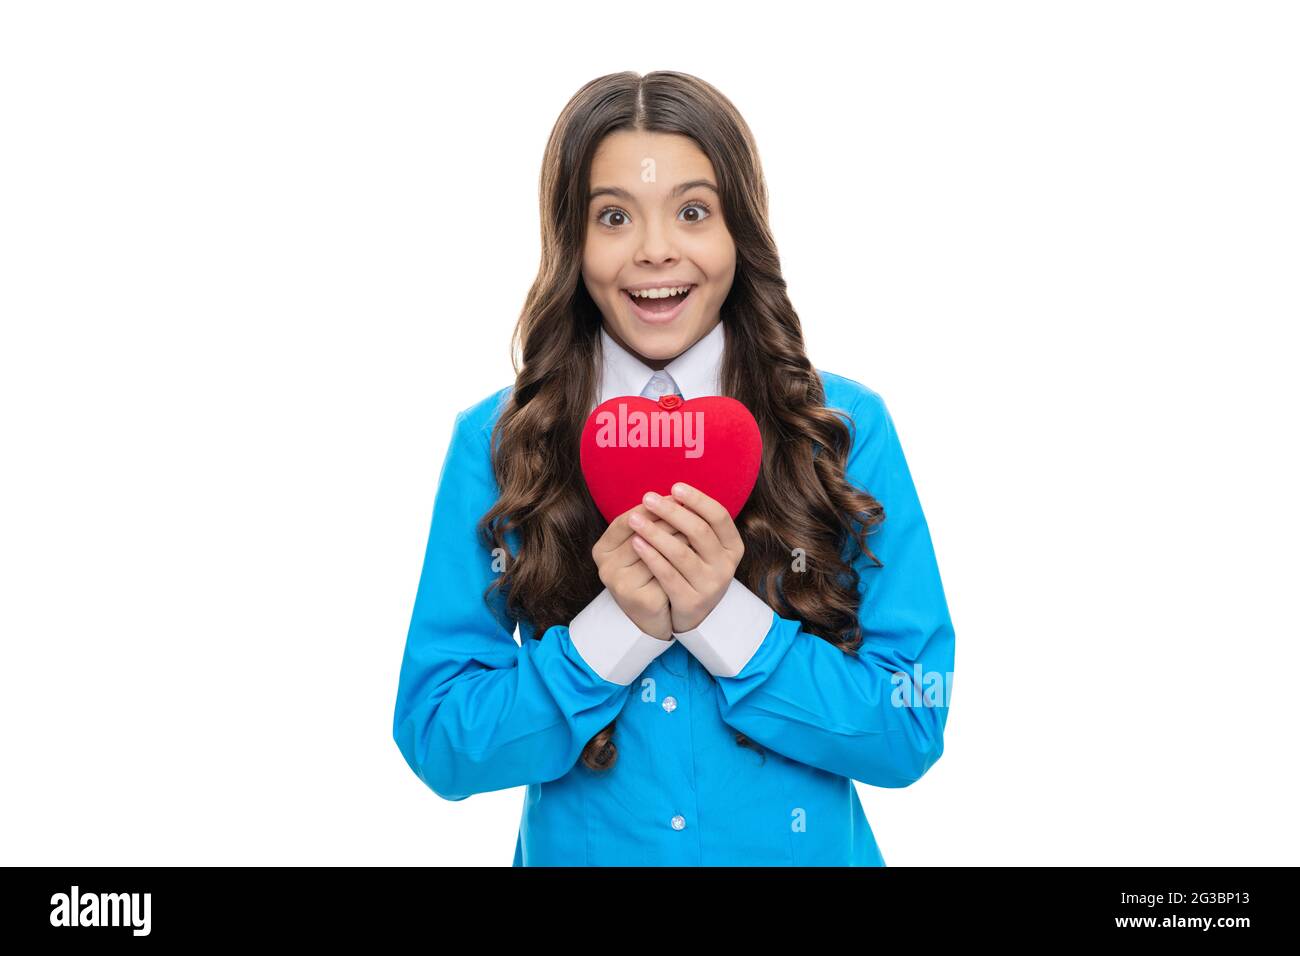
x: 476, y: 711
x: 879, y: 716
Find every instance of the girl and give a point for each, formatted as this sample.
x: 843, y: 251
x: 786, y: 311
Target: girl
x: 689, y: 690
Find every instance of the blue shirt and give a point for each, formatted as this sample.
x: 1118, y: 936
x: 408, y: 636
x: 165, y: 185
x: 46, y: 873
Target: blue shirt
x: 477, y: 712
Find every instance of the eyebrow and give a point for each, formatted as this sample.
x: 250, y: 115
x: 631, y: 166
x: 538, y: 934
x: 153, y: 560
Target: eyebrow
x: 628, y: 197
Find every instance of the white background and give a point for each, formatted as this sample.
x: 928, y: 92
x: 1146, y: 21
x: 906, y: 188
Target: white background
x: 254, y: 258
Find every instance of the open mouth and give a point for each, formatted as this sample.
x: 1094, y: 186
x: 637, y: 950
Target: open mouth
x: 658, y: 310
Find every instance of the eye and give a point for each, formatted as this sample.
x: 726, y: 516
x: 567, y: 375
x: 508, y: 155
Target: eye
x: 700, y: 204
x: 600, y: 217
x: 703, y: 212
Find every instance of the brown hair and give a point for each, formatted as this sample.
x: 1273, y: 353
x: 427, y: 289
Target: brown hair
x: 801, y: 498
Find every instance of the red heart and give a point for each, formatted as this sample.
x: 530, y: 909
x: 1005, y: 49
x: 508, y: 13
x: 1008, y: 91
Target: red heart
x: 710, y: 443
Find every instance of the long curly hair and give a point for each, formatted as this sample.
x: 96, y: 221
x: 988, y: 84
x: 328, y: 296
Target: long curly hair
x: 801, y: 499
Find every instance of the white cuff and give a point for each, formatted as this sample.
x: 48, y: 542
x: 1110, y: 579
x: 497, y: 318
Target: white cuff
x: 610, y: 643
x: 726, y: 639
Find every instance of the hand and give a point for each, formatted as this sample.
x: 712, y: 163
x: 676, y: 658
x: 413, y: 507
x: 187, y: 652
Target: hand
x: 694, y: 572
x: 628, y: 578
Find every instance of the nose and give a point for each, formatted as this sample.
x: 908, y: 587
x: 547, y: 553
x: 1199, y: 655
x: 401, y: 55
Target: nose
x: 656, y: 245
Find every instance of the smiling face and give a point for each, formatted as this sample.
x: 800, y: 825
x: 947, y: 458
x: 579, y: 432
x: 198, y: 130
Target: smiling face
x: 664, y: 234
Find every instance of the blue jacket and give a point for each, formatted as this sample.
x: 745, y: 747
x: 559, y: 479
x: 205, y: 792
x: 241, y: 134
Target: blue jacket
x: 477, y: 712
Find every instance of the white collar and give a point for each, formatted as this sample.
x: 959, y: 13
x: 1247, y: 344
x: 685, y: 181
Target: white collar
x: 697, y: 371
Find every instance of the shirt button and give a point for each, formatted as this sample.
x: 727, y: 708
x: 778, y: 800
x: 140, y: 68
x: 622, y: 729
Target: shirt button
x: 670, y: 704
x: 658, y: 385
x: 679, y: 822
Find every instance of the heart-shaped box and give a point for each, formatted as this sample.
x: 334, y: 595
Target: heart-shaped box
x: 631, y: 445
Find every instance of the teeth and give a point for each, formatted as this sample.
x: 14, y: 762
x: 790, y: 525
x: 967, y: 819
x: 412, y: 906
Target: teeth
x: 659, y: 293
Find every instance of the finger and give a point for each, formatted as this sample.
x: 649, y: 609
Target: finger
x: 636, y: 575
x: 637, y: 571
x: 660, y: 536
x: 619, y: 531
x: 624, y: 555
x: 670, y: 579
x: 698, y: 531
x: 712, y: 511
x: 651, y: 584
